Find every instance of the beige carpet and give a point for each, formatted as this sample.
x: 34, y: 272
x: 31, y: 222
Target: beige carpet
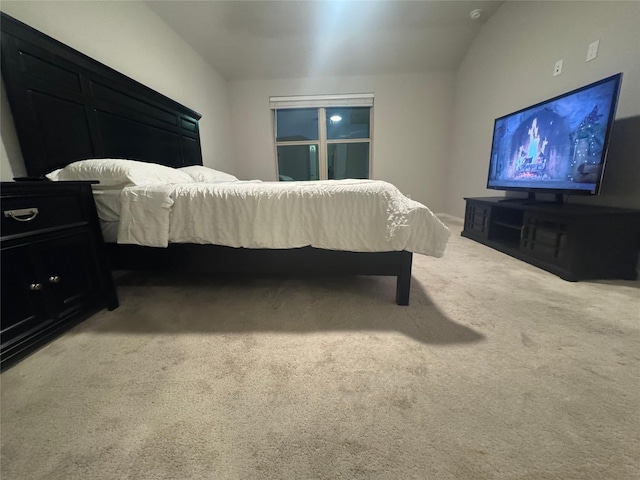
x: 497, y: 370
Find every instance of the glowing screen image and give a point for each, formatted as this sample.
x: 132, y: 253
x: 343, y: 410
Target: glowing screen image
x: 559, y: 144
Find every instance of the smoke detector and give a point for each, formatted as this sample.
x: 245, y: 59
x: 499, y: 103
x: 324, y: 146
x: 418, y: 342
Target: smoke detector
x: 475, y: 14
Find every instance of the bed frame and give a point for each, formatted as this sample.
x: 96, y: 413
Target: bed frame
x: 67, y: 107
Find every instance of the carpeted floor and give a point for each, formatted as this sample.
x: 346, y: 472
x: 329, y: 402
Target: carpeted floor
x: 497, y: 370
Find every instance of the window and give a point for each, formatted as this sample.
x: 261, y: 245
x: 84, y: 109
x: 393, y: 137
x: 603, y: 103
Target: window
x: 323, y: 137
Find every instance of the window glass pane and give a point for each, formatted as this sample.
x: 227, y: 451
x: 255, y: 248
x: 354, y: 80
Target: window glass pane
x: 297, y: 124
x: 348, y: 160
x: 348, y: 122
x: 298, y: 162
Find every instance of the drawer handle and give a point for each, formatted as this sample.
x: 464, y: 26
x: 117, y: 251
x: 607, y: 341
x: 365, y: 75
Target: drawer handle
x: 18, y: 214
x: 35, y: 287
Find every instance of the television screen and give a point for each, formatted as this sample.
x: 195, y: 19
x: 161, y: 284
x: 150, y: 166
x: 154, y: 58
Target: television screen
x: 556, y: 146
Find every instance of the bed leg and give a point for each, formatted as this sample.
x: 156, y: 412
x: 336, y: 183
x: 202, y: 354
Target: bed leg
x: 403, y: 285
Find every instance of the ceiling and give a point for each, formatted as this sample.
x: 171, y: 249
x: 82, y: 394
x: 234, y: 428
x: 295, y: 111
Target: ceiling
x: 264, y: 39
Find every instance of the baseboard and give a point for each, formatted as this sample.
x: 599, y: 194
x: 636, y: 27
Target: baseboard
x: 450, y: 218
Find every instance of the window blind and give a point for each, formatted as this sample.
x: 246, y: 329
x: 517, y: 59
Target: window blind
x: 317, y: 101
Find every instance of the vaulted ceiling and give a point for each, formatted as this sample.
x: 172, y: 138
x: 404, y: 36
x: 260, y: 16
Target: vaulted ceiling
x: 292, y: 39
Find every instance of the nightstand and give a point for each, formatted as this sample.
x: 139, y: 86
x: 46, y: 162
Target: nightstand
x: 54, y: 269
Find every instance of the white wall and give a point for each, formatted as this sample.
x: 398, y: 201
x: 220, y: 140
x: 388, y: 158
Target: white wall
x: 131, y: 38
x: 510, y: 65
x: 412, y: 124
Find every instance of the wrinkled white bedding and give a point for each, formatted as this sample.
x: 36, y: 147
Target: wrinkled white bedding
x: 350, y: 215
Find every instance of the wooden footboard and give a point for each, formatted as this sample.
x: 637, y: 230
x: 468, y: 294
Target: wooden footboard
x: 306, y: 260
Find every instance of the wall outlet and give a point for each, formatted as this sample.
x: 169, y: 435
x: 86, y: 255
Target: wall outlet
x: 592, y: 51
x: 557, y: 69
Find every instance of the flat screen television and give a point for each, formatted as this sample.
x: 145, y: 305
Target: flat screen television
x: 558, y: 146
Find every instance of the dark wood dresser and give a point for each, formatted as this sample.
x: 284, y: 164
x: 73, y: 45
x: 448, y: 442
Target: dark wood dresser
x: 54, y: 269
x: 573, y: 241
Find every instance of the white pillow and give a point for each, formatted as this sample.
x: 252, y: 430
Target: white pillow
x: 115, y: 172
x: 203, y: 174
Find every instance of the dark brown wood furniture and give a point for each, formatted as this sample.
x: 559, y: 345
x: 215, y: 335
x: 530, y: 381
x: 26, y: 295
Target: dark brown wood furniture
x: 54, y: 268
x: 573, y: 241
x: 68, y: 107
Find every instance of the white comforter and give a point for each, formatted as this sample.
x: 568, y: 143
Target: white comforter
x: 351, y: 215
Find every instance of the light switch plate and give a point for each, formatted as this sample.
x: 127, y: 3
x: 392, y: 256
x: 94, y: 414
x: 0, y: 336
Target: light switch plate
x: 592, y: 52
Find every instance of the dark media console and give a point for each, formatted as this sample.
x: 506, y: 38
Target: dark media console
x: 575, y: 242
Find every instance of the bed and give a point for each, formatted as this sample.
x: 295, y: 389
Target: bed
x: 70, y: 109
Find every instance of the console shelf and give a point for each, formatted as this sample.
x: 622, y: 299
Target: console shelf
x: 575, y: 242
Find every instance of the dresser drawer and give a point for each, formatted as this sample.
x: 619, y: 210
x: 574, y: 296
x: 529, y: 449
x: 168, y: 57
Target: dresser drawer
x: 32, y: 213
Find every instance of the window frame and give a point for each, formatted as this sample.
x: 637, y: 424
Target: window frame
x: 321, y: 103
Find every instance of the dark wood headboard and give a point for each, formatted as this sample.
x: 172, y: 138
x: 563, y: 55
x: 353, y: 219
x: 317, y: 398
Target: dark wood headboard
x: 67, y: 107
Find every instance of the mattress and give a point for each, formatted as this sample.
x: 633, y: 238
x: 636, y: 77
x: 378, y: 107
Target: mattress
x: 108, y: 204
x: 109, y: 231
x: 349, y: 215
